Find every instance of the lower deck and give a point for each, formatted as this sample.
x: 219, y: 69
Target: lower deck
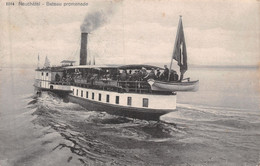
x: 129, y: 100
x: 149, y: 105
x: 138, y: 113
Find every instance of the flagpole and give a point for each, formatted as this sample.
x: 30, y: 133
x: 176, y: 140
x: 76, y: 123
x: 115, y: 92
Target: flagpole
x: 174, y: 49
x: 38, y: 63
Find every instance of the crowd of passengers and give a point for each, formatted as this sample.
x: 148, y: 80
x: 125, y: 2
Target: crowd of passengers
x: 144, y: 75
x: 123, y: 75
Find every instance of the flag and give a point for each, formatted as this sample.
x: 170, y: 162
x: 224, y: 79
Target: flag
x: 38, y: 62
x: 180, y: 53
x: 47, y: 62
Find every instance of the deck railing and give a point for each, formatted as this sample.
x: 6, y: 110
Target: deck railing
x: 135, y: 86
x: 111, y: 85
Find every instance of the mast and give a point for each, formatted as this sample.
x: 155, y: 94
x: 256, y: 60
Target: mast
x: 38, y: 62
x: 174, y: 49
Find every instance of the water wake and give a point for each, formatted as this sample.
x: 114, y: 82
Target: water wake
x: 229, y: 117
x: 97, y: 136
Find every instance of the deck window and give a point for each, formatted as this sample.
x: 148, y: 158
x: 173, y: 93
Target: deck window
x: 107, y: 98
x: 86, y: 94
x: 117, y: 99
x: 77, y: 92
x: 129, y: 101
x: 93, y: 96
x: 47, y: 74
x: 81, y: 93
x: 99, y: 97
x: 145, y: 102
x: 73, y: 92
x: 42, y: 73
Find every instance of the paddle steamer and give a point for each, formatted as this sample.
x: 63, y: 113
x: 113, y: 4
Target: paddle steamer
x: 113, y: 88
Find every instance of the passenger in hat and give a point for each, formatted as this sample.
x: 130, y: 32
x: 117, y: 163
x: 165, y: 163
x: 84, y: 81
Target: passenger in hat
x: 134, y: 76
x: 123, y: 76
x: 158, y: 73
x: 139, y: 75
x: 143, y: 73
x: 151, y: 75
x: 165, y: 73
x: 143, y: 69
x: 175, y: 76
x: 171, y: 75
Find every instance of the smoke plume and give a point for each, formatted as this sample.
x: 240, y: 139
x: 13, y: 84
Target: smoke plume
x: 94, y: 20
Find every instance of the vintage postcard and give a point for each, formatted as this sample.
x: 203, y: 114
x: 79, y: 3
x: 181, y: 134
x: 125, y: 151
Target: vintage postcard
x: 129, y: 82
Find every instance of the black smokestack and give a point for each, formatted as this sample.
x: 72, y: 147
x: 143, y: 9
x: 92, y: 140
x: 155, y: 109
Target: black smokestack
x: 92, y: 21
x: 83, y: 49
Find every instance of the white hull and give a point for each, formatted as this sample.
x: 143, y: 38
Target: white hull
x: 158, y: 102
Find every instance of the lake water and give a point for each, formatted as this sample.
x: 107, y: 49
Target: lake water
x: 218, y: 125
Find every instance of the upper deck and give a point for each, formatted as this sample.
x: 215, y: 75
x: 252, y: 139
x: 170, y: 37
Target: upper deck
x: 118, y: 78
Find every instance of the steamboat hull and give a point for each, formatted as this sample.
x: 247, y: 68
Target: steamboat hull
x: 139, y: 113
x: 60, y: 93
x: 114, y: 109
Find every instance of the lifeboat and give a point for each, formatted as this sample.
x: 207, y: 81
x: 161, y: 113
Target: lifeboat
x: 173, y: 86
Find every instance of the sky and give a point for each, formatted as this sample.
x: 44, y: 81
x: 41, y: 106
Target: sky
x: 217, y: 32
